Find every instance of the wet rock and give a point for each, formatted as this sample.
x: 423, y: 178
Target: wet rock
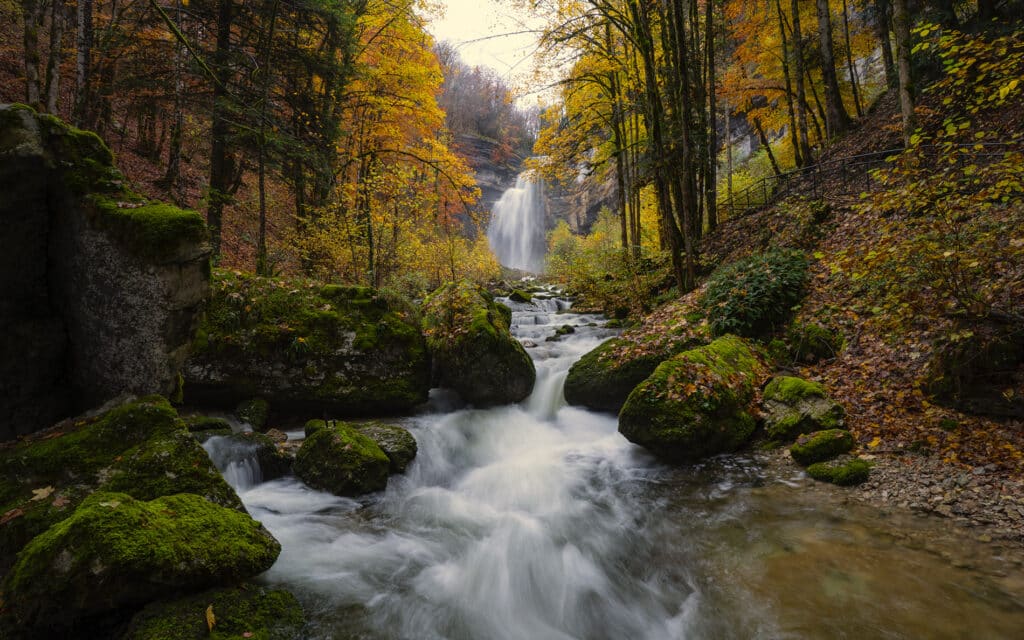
x: 795, y: 406
x: 821, y: 446
x: 336, y: 457
x: 396, y: 443
x: 842, y: 472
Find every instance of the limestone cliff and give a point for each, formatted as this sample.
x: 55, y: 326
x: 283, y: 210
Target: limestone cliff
x: 102, y: 289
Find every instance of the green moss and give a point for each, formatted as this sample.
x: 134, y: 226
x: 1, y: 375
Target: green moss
x: 340, y: 459
x: 810, y: 342
x: 518, y: 295
x: 249, y: 611
x: 695, y: 404
x: 149, y: 230
x: 397, y: 443
x: 312, y: 426
x: 137, y: 550
x: 821, y: 446
x: 843, y: 473
x: 789, y: 389
x: 599, y: 381
x: 205, y: 423
x: 254, y: 411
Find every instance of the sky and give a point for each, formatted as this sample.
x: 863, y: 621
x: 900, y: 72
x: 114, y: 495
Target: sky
x: 480, y: 30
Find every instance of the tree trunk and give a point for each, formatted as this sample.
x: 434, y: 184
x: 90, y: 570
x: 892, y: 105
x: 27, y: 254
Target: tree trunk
x: 33, y: 11
x: 170, y: 179
x: 220, y: 128
x: 262, y: 258
x: 801, y: 95
x: 854, y: 82
x: 58, y: 20
x: 790, y: 108
x: 767, y: 146
x: 83, y: 55
x: 882, y: 9
x: 712, y: 176
x: 837, y: 121
x: 901, y: 24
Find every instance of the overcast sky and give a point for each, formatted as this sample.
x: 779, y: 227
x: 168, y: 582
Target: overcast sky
x: 478, y: 28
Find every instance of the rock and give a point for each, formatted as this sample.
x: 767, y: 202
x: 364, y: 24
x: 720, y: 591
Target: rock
x: 601, y: 382
x: 696, y: 404
x: 276, y: 435
x: 338, y: 458
x: 795, y: 406
x: 264, y: 613
x: 274, y: 461
x: 840, y: 472
x: 396, y: 443
x: 307, y: 347
x: 102, y: 289
x: 115, y: 551
x: 810, y: 342
x: 518, y: 295
x: 473, y: 351
x: 140, y: 448
x: 254, y: 412
x: 821, y: 445
x: 205, y: 423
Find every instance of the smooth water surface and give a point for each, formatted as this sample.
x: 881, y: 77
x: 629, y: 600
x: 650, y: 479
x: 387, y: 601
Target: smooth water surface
x: 540, y: 522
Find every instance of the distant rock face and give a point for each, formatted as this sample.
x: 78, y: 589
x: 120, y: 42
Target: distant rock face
x: 102, y: 289
x: 492, y: 177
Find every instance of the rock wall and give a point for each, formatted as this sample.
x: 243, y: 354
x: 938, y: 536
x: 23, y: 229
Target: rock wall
x: 102, y: 289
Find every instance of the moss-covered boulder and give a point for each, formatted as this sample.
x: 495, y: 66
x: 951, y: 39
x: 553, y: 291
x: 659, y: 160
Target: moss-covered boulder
x: 794, y: 406
x: 140, y: 448
x: 102, y: 289
x: 339, y: 459
x: 697, y: 403
x: 396, y: 443
x: 244, y: 612
x: 601, y: 381
x: 307, y: 347
x: 821, y: 446
x: 115, y: 551
x: 810, y: 342
x: 518, y: 295
x: 473, y: 351
x: 842, y: 472
x: 253, y: 412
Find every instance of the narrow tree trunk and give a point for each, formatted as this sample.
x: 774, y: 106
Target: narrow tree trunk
x: 170, y: 179
x: 767, y: 146
x: 712, y: 176
x: 801, y: 95
x: 881, y: 24
x: 854, y: 82
x: 58, y: 20
x: 220, y: 128
x: 33, y: 11
x: 83, y: 55
x: 790, y: 108
x: 262, y: 258
x: 901, y: 24
x: 837, y: 121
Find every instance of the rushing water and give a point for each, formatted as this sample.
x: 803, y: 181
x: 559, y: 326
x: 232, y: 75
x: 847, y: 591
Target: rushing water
x: 516, y: 230
x: 540, y: 522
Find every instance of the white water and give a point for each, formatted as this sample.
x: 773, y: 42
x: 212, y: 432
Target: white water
x: 516, y: 230
x: 236, y: 461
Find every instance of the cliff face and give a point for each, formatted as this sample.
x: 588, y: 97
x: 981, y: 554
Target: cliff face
x: 102, y: 289
x: 492, y: 176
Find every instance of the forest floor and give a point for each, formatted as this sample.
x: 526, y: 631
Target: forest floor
x: 929, y: 458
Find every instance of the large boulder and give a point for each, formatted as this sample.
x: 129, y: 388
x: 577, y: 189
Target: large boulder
x: 115, y: 551
x: 102, y: 289
x: 247, y: 611
x: 337, y: 458
x: 140, y: 448
x: 602, y: 379
x: 307, y: 347
x: 794, y: 406
x: 473, y: 351
x: 696, y: 404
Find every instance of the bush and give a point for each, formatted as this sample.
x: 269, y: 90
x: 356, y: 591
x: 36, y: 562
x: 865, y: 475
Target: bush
x: 754, y: 295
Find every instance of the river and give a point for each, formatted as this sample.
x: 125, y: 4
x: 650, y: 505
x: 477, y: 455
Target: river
x: 538, y: 521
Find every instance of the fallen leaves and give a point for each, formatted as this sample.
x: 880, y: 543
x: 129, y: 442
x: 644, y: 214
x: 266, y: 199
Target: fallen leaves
x: 41, y: 494
x: 211, y: 619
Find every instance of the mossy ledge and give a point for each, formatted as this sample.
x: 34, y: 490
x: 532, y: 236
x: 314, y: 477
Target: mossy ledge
x: 147, y: 229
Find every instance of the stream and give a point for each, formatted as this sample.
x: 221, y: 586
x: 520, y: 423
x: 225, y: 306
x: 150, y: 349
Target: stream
x: 538, y: 521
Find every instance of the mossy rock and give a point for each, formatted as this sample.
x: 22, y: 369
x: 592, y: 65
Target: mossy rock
x: 245, y: 612
x: 696, y: 404
x: 844, y: 473
x: 140, y: 448
x: 602, y: 382
x: 518, y: 295
x: 312, y: 426
x: 795, y: 406
x: 820, y: 446
x: 115, y: 551
x: 273, y: 460
x: 339, y: 459
x: 810, y: 342
x: 473, y: 351
x: 396, y: 443
x: 307, y: 348
x: 205, y: 423
x: 253, y: 411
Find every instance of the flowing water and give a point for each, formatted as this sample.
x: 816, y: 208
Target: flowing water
x: 538, y: 521
x: 516, y: 230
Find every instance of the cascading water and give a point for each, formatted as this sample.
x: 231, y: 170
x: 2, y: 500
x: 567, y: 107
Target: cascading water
x: 516, y: 231
x: 236, y: 460
x: 538, y: 521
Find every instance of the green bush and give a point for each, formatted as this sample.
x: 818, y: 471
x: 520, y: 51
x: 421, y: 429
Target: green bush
x: 756, y: 294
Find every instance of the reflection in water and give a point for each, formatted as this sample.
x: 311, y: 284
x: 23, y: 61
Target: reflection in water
x: 538, y: 521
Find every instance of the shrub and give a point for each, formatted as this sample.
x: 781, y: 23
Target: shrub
x: 754, y: 295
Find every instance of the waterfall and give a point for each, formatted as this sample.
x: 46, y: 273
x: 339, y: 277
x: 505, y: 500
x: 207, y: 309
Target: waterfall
x: 516, y: 231
x: 236, y: 460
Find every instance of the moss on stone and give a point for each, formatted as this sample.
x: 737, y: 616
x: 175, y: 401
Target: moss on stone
x: 148, y: 229
x: 137, y: 550
x: 599, y: 381
x: 518, y: 295
x: 810, y: 342
x: 397, y: 443
x: 312, y: 426
x: 821, y: 446
x: 841, y: 472
x: 695, y: 404
x: 249, y: 611
x: 341, y: 460
x: 253, y: 411
x: 205, y: 423
x: 789, y: 389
